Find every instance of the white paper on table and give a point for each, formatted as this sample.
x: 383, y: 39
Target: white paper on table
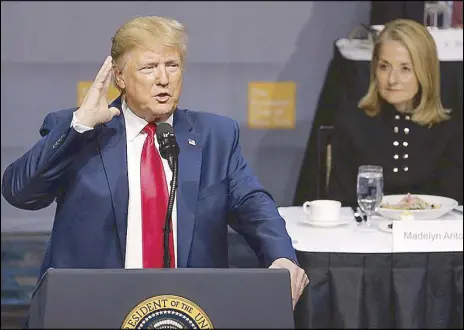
x: 426, y: 236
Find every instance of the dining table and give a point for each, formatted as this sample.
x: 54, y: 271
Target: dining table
x: 357, y: 280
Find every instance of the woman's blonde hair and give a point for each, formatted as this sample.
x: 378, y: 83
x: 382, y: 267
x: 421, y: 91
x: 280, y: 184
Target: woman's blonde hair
x: 428, y: 109
x: 147, y: 30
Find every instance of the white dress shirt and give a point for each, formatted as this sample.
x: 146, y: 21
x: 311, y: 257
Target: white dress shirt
x: 135, y: 140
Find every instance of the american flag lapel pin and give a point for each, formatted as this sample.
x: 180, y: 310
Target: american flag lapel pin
x: 192, y: 142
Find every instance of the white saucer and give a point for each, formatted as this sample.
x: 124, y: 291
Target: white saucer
x: 383, y: 226
x: 326, y: 224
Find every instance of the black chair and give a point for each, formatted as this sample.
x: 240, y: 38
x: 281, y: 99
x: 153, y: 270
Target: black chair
x: 324, y: 161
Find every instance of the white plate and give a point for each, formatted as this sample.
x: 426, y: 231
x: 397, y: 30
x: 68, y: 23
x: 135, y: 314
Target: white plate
x: 446, y: 205
x: 383, y: 226
x: 326, y: 224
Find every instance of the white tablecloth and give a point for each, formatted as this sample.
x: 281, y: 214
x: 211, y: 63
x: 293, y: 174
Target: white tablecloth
x: 350, y: 238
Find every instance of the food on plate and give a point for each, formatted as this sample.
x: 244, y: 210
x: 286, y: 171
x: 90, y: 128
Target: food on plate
x: 410, y: 202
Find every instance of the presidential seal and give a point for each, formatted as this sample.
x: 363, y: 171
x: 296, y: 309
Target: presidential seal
x: 167, y: 312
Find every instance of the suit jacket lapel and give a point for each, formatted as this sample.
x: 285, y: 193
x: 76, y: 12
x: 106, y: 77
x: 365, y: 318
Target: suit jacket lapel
x: 112, y: 144
x: 188, y: 183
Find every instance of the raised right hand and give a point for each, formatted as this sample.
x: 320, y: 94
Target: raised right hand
x: 94, y: 109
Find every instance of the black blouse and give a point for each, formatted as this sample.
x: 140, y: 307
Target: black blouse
x: 415, y: 159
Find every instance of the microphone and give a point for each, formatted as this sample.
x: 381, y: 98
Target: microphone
x: 169, y: 150
x: 168, y: 147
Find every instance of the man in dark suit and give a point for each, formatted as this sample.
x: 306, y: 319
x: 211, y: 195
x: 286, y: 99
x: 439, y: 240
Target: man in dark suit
x: 383, y: 12
x: 101, y: 165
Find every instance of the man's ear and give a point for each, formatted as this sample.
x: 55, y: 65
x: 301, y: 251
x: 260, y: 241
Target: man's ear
x: 118, y: 78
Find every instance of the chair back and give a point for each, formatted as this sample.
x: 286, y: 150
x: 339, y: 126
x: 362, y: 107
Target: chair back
x: 324, y: 160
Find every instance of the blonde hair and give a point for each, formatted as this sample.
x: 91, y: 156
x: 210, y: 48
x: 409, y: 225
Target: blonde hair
x: 147, y: 30
x: 428, y: 108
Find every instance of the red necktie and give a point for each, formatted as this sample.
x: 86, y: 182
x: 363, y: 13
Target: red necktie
x: 154, y: 204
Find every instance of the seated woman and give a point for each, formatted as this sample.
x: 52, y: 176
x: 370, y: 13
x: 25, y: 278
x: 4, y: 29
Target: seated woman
x: 400, y: 124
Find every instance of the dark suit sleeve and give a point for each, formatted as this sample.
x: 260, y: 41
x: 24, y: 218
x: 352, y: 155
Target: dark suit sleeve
x: 342, y: 180
x: 450, y: 182
x: 31, y: 181
x: 255, y: 212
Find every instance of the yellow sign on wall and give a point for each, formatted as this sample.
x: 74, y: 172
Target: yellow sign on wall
x: 271, y: 104
x: 83, y: 87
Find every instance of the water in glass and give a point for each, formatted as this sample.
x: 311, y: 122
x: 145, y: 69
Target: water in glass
x: 370, y: 191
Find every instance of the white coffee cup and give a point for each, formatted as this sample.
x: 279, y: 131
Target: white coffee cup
x: 322, y: 210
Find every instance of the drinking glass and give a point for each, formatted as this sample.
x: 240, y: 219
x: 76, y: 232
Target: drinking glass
x: 369, y: 189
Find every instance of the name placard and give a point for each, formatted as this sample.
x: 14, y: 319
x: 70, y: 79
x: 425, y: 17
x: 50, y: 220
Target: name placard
x: 427, y: 236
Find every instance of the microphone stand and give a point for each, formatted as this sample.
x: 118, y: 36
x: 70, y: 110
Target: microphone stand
x: 167, y: 225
